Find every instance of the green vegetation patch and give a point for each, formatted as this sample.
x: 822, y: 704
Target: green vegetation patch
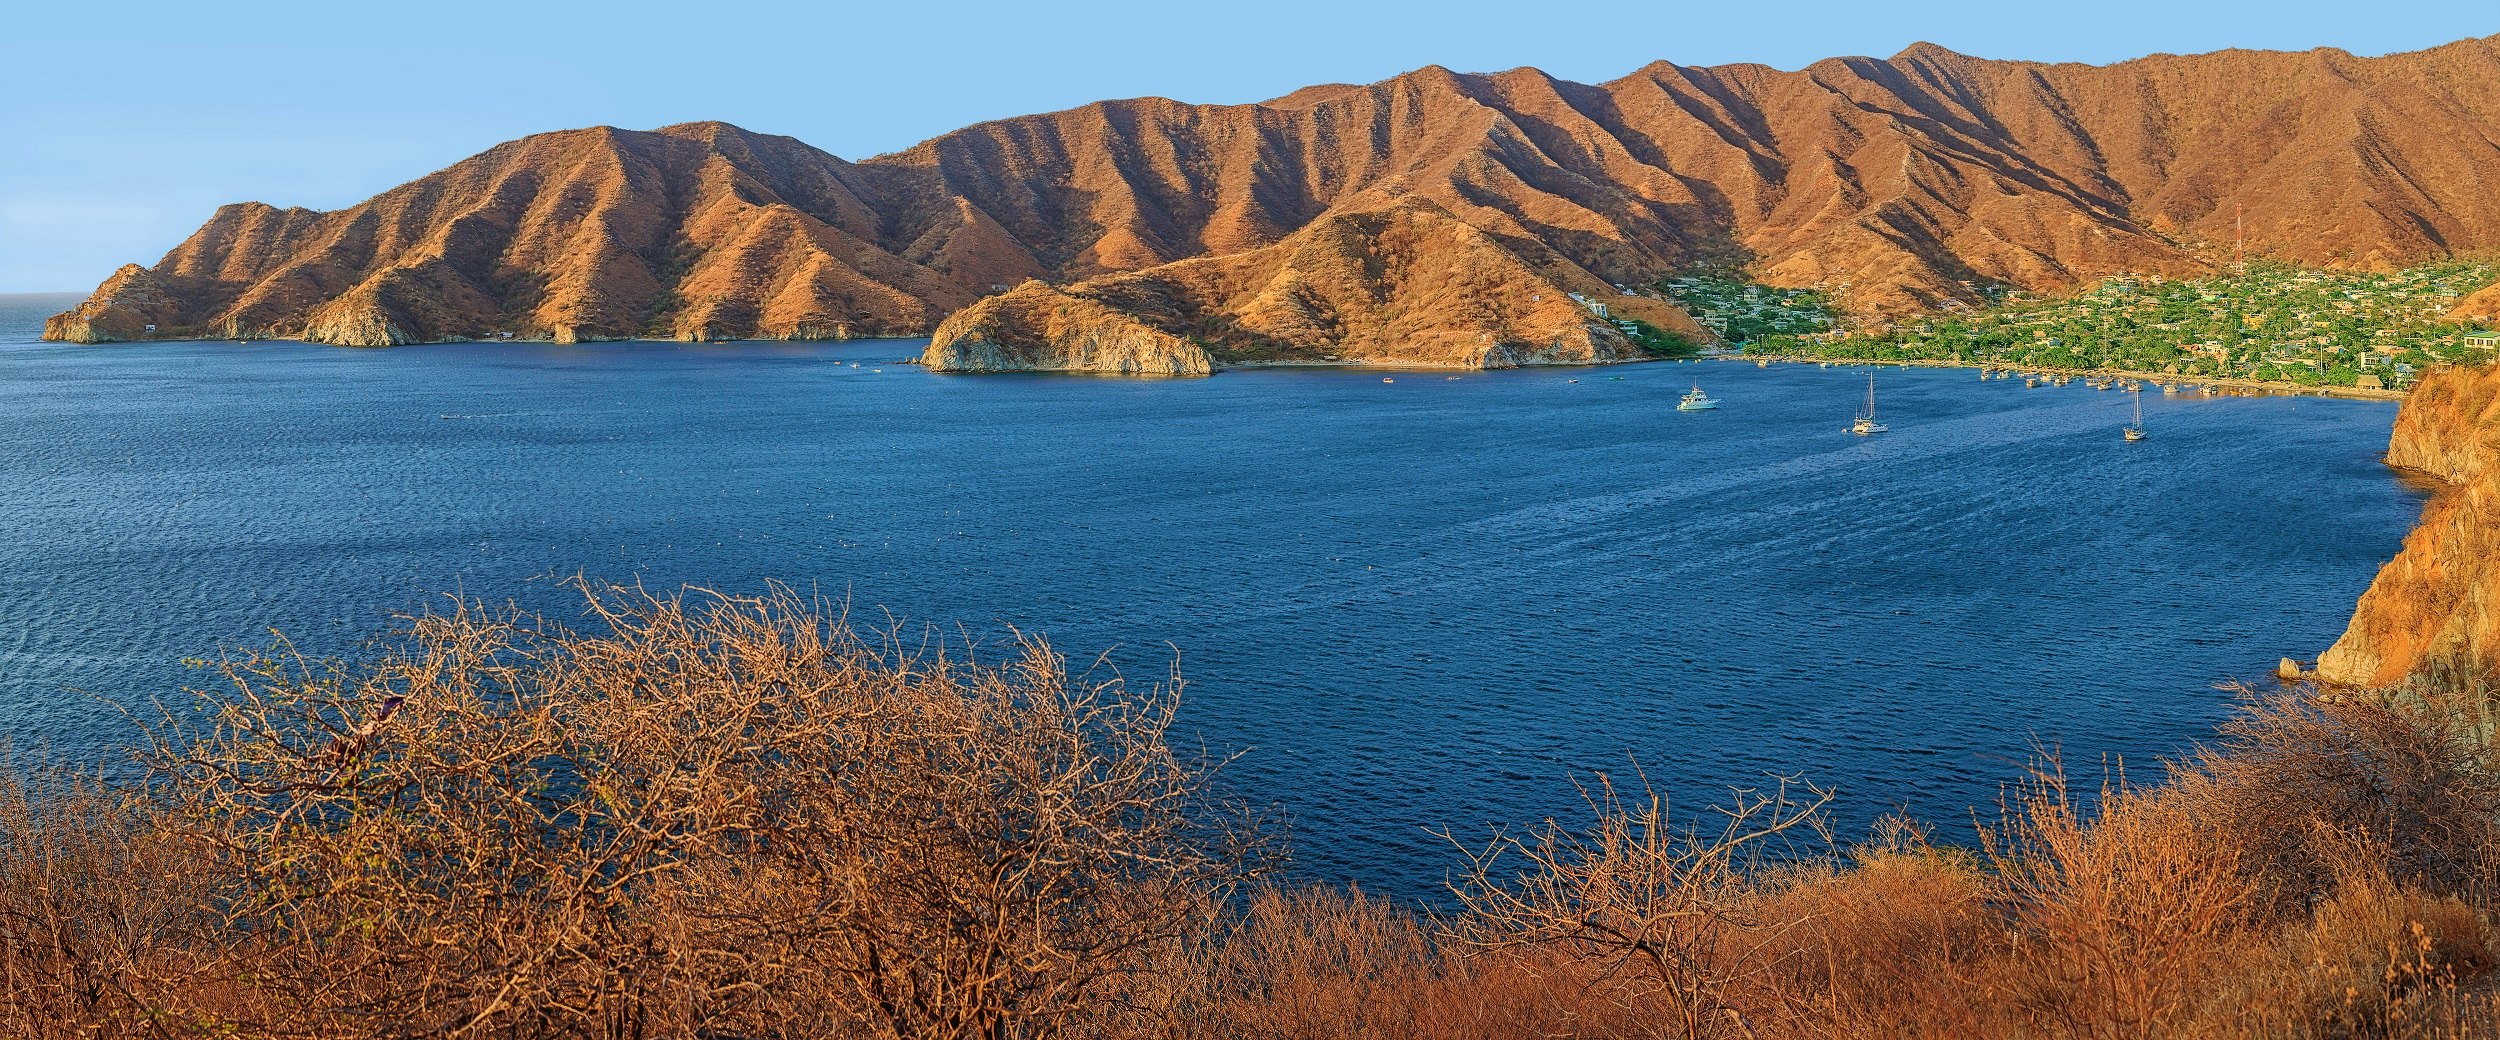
x: 2270, y: 321
x: 1655, y: 341
x: 1743, y: 312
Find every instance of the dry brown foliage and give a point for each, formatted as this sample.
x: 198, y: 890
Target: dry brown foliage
x: 729, y: 816
x: 1320, y: 963
x: 1647, y: 898
x: 2404, y: 779
x: 2120, y: 921
x: 1900, y: 934
x: 724, y: 817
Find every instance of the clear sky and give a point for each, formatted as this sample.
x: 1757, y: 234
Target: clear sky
x: 124, y: 123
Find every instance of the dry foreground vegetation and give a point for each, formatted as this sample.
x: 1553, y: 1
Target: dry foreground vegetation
x: 723, y: 817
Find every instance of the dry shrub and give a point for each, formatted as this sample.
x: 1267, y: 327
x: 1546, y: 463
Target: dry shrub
x: 2122, y: 920
x: 2372, y: 960
x: 2300, y: 780
x: 1653, y: 906
x: 1901, y: 937
x: 1326, y: 963
x: 97, y: 912
x: 730, y: 817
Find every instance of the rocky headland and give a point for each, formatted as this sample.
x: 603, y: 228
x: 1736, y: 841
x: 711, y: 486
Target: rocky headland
x: 1895, y: 184
x: 2437, y: 604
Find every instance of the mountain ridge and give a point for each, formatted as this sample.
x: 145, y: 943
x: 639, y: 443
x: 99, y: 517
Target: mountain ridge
x: 1897, y: 184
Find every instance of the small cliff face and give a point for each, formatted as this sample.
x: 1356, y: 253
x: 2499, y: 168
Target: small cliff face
x: 130, y: 305
x: 1402, y: 283
x: 2438, y: 601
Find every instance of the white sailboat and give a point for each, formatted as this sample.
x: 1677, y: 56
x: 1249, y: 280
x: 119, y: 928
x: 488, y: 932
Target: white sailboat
x: 2135, y: 430
x: 1866, y: 423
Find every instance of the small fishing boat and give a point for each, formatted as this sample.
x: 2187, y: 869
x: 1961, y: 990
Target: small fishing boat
x: 2135, y: 430
x: 1386, y: 379
x: 1696, y: 401
x: 2030, y: 383
x: 1865, y: 423
x: 2170, y: 388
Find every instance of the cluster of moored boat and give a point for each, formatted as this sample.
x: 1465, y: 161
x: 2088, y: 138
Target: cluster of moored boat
x: 2034, y: 379
x: 1865, y: 423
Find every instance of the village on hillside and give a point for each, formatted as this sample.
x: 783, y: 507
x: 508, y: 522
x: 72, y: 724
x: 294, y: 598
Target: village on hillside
x: 2267, y: 322
x: 1742, y: 312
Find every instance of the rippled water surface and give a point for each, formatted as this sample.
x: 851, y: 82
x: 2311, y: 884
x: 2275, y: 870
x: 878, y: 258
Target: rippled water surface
x: 1408, y: 604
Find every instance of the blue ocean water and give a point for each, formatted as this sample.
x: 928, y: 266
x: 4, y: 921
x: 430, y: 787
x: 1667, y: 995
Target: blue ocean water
x: 1415, y: 604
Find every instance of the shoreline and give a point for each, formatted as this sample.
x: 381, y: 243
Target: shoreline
x: 2236, y: 386
x: 2242, y: 387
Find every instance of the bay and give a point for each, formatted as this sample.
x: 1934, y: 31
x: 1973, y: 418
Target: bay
x: 1405, y: 600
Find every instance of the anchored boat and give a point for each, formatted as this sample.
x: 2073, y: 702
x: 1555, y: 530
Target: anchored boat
x: 2135, y: 430
x: 1866, y: 423
x: 1696, y: 401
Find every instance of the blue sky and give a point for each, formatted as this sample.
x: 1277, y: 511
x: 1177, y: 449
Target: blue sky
x: 123, y: 124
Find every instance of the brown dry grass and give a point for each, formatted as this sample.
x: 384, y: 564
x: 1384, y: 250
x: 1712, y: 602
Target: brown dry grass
x: 723, y: 817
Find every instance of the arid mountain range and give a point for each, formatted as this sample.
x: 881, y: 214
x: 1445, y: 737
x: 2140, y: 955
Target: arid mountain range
x: 1252, y: 229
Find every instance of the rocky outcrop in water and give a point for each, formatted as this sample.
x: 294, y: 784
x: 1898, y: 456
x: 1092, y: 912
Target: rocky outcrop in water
x: 2437, y: 604
x: 1894, y: 183
x: 1036, y: 328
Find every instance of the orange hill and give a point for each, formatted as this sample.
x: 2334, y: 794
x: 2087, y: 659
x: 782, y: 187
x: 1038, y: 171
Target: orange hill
x: 1407, y: 284
x: 1891, y: 182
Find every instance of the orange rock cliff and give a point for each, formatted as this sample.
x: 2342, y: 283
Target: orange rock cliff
x: 2437, y: 604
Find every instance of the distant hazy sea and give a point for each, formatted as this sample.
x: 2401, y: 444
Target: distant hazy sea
x: 1415, y: 604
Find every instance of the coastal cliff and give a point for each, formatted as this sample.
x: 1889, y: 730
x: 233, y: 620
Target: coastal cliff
x: 130, y: 305
x: 2437, y: 604
x: 1893, y: 184
x: 1406, y: 284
